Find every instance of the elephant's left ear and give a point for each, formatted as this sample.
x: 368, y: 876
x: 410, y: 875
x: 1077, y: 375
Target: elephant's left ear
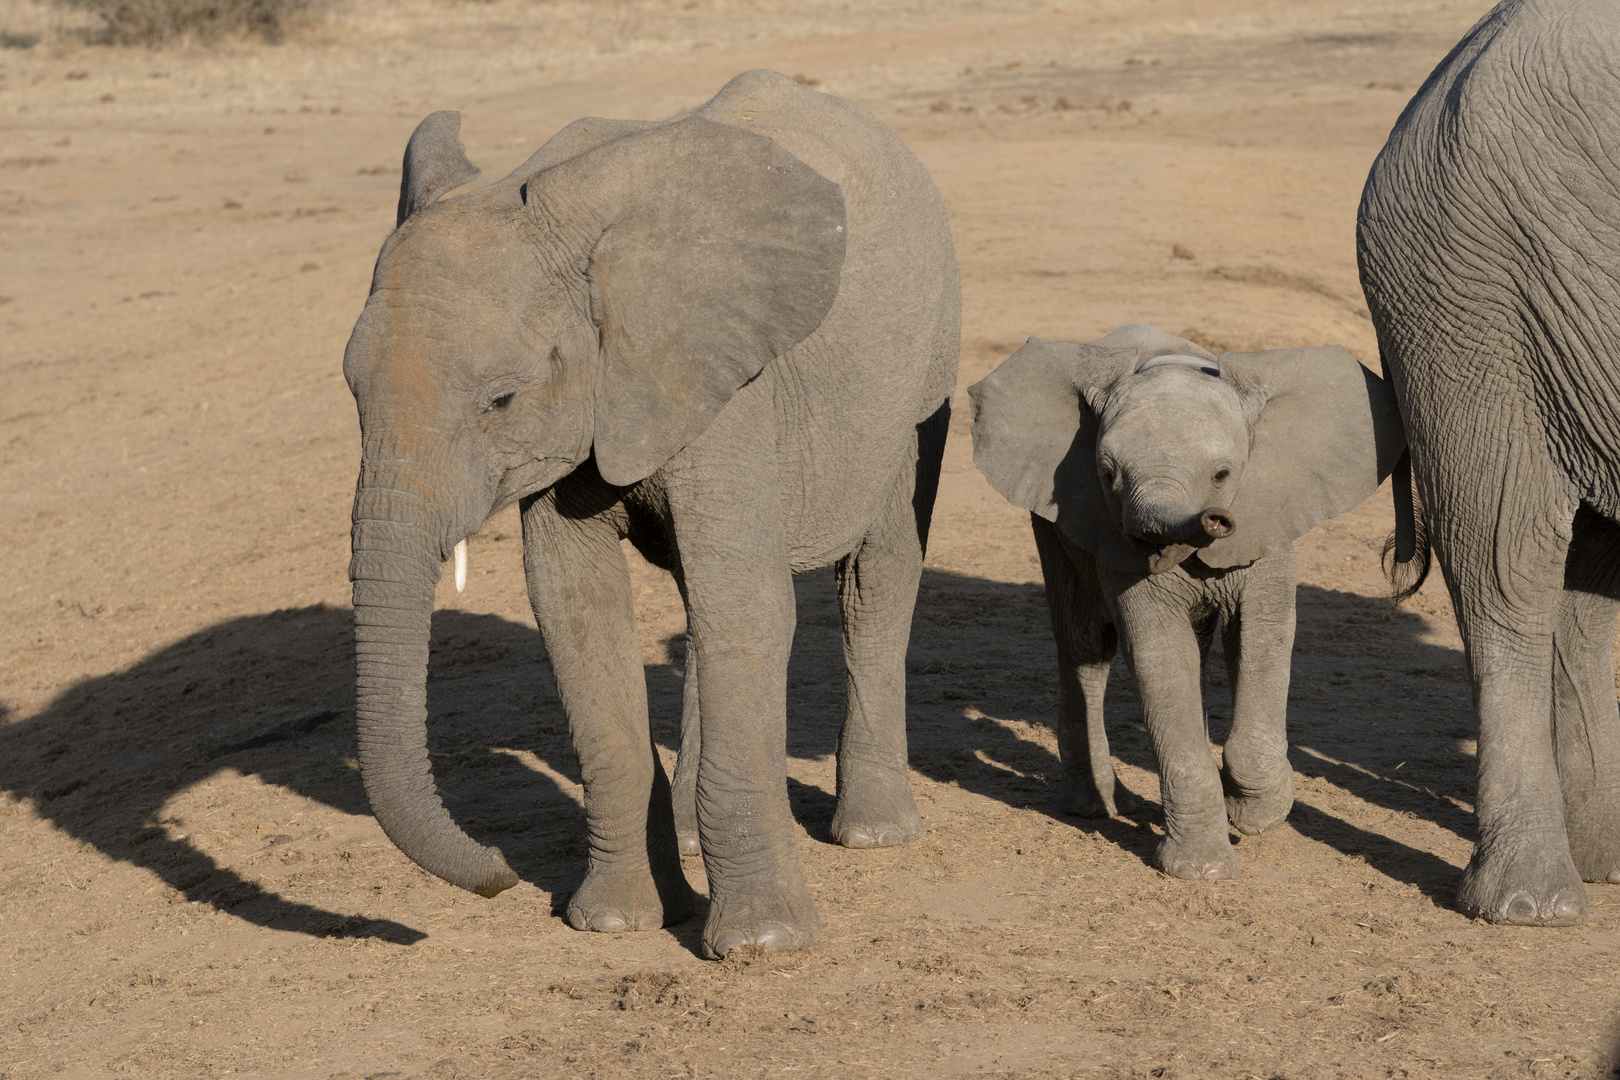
x: 1328, y: 432
x: 717, y: 252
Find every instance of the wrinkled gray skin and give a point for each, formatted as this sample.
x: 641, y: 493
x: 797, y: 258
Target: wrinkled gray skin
x: 1165, y: 489
x: 1487, y: 238
x: 731, y: 338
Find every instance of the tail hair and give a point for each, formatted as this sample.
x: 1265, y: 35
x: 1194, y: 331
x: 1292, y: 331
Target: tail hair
x: 1407, y: 557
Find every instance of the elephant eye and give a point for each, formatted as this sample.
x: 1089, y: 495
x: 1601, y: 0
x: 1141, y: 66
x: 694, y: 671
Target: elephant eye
x: 1220, y: 477
x: 500, y: 403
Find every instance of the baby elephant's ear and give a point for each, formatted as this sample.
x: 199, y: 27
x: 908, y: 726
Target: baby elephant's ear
x: 1328, y: 432
x: 1035, y: 438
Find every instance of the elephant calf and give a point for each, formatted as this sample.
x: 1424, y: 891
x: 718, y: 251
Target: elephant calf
x: 731, y: 338
x: 1165, y: 487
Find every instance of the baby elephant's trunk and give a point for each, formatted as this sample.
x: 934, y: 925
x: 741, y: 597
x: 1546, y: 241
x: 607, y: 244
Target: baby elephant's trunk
x: 1217, y: 523
x: 1172, y: 536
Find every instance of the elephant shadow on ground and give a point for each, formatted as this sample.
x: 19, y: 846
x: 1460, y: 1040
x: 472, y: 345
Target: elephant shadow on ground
x: 1375, y: 709
x: 271, y: 696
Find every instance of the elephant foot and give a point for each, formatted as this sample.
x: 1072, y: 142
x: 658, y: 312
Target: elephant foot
x: 876, y: 810
x: 1210, y: 859
x: 1523, y: 881
x: 1080, y: 796
x: 1253, y: 808
x: 782, y: 918
x: 615, y: 900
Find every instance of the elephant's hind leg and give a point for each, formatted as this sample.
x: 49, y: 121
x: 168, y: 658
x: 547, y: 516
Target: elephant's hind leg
x: 877, y: 592
x: 1086, y: 643
x: 1586, y: 725
x: 1501, y: 530
x: 579, y: 586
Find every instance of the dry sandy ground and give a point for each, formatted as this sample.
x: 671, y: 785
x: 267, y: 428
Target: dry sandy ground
x: 190, y: 883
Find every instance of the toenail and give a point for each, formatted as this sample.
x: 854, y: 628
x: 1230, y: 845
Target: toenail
x: 726, y: 942
x: 1614, y: 877
x: 608, y: 922
x: 1568, y: 906
x: 774, y: 937
x: 856, y: 837
x: 1521, y: 909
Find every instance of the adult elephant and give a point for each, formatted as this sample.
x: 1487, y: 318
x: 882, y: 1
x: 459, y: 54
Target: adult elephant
x: 730, y: 337
x: 1487, y: 238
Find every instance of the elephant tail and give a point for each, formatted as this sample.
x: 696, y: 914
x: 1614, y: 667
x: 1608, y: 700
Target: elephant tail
x: 1407, y: 555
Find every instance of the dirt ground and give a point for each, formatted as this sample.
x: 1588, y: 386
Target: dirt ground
x: 190, y: 882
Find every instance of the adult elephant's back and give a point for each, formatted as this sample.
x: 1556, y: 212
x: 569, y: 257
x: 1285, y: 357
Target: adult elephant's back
x: 1486, y: 239
x: 850, y: 396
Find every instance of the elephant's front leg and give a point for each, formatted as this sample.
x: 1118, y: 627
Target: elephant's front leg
x: 740, y: 608
x: 1259, y: 641
x: 579, y: 586
x: 877, y: 592
x: 1161, y: 646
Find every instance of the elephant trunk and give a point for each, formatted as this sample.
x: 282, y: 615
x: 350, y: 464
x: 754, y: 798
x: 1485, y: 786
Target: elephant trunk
x: 1169, y: 533
x: 395, y: 567
x: 1163, y: 523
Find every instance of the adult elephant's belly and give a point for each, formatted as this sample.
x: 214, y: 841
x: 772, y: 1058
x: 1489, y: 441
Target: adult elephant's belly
x: 845, y: 438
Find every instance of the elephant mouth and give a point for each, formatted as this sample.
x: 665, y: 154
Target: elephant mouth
x: 526, y: 479
x: 1162, y: 557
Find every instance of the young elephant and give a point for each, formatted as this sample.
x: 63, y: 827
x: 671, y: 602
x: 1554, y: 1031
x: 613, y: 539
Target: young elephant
x: 1165, y: 488
x: 730, y: 338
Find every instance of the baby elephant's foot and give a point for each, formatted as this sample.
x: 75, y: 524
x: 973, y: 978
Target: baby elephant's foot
x: 1525, y: 881
x: 782, y: 918
x: 1206, y: 859
x: 1252, y: 808
x: 618, y: 898
x: 875, y: 809
x: 1081, y: 796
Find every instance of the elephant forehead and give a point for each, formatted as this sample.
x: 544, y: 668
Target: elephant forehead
x: 1180, y: 403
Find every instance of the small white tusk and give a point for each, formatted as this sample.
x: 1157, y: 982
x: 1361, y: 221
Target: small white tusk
x: 461, y: 566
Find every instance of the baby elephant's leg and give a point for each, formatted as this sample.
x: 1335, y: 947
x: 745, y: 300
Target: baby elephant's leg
x: 1153, y: 615
x: 1086, y: 642
x: 1259, y: 640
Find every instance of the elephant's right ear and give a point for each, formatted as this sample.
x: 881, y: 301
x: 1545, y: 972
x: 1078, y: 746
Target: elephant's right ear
x: 435, y: 162
x: 1035, y: 438
x: 717, y: 252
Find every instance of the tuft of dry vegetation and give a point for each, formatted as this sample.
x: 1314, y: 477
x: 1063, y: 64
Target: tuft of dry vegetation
x: 156, y: 22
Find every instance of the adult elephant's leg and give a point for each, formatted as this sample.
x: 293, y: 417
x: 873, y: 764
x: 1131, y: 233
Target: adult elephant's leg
x: 1258, y: 638
x: 723, y: 493
x: 1086, y: 643
x: 1161, y: 646
x: 579, y: 586
x: 686, y: 765
x: 877, y: 592
x: 1586, y: 725
x: 1501, y: 530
